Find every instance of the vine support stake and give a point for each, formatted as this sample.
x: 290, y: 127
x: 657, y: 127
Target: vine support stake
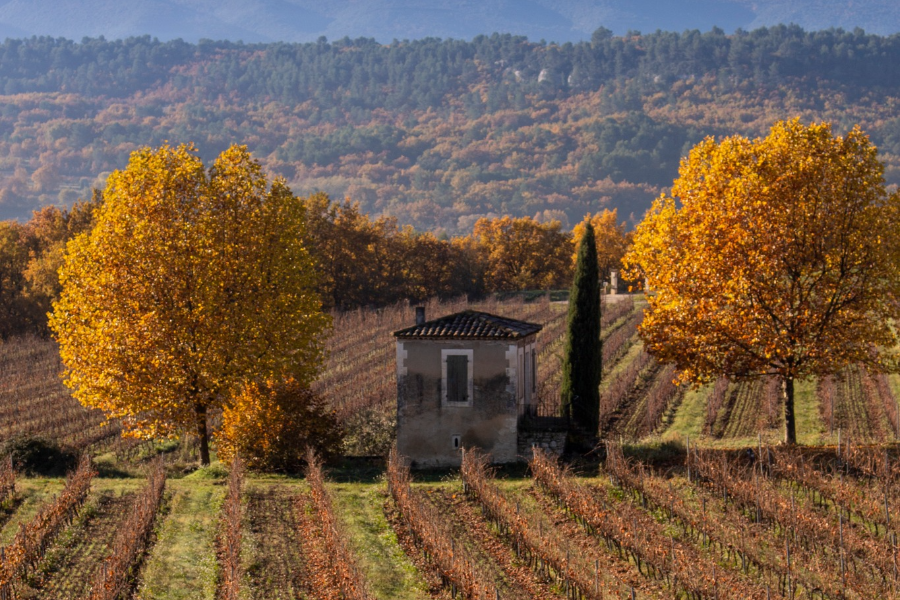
x: 894, y: 552
x: 841, y: 534
x: 687, y: 456
x: 839, y: 443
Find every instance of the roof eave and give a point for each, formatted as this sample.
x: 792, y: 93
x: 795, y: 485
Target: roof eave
x: 401, y: 336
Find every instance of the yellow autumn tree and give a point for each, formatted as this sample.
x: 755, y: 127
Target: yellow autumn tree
x: 772, y: 256
x: 610, y: 237
x: 522, y: 254
x: 191, y: 284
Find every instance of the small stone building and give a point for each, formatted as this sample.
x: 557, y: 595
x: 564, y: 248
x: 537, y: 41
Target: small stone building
x: 463, y: 381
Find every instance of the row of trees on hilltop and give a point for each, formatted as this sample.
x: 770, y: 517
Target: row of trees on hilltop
x: 362, y: 261
x: 418, y: 74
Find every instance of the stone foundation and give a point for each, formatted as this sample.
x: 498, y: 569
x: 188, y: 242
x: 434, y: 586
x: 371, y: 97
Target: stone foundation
x: 553, y: 442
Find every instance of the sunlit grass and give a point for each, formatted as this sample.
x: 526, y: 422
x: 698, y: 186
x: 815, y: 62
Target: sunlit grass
x: 690, y: 416
x: 389, y: 572
x: 182, y: 563
x: 32, y: 494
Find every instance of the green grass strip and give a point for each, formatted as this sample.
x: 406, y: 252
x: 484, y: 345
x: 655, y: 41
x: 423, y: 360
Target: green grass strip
x: 389, y: 572
x: 182, y: 563
x: 690, y: 416
x: 32, y: 494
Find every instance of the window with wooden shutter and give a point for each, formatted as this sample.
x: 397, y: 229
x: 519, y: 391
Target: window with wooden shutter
x: 457, y: 385
x: 520, y: 375
x: 457, y: 378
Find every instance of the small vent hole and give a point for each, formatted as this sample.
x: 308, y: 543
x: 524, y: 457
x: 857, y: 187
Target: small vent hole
x: 455, y: 440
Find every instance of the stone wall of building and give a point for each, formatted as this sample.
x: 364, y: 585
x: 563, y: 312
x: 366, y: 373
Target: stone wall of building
x: 551, y: 441
x: 428, y: 429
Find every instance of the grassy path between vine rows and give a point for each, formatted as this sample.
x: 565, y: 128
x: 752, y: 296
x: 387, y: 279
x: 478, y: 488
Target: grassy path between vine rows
x: 182, y: 562
x: 389, y: 572
x: 31, y: 494
x: 275, y: 562
x: 69, y: 569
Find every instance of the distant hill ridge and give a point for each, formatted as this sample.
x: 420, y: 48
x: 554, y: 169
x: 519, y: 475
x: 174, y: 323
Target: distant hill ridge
x: 434, y: 132
x: 385, y: 20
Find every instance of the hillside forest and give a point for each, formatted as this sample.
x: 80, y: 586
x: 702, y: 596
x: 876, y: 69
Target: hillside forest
x: 435, y: 133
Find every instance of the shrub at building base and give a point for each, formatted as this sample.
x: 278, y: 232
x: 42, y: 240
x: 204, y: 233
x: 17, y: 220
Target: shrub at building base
x: 271, y: 425
x: 369, y: 432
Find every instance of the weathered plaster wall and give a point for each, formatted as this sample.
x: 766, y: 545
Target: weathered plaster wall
x: 426, y: 425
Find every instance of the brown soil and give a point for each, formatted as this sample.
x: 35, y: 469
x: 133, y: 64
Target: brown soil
x: 878, y: 423
x: 618, y: 422
x: 280, y: 570
x: 743, y: 412
x: 69, y: 569
x: 523, y: 578
x: 851, y: 411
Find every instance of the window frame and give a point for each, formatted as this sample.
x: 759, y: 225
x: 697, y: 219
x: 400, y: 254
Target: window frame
x: 470, y: 372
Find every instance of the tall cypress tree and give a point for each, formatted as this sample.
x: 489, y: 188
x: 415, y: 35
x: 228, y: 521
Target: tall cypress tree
x: 582, y: 361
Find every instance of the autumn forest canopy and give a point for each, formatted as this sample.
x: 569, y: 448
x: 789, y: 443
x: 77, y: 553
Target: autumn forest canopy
x: 437, y: 133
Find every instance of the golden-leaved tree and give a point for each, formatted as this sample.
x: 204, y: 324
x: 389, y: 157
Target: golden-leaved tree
x: 773, y: 256
x: 191, y: 285
x: 522, y: 254
x: 610, y: 238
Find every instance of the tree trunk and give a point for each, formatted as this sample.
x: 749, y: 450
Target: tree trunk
x: 202, y: 434
x: 790, y: 424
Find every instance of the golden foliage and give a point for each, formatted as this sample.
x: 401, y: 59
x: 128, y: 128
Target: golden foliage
x: 30, y: 256
x: 271, y: 425
x: 13, y: 259
x: 365, y: 261
x: 521, y: 254
x: 190, y: 285
x: 772, y: 256
x: 611, y: 239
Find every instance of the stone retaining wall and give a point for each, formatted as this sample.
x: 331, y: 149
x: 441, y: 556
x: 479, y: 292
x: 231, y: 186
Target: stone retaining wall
x: 551, y: 441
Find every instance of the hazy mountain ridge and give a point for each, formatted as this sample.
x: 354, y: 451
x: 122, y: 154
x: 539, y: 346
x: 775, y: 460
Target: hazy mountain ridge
x: 384, y: 20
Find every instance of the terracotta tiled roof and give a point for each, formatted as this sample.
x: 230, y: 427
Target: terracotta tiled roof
x: 470, y: 325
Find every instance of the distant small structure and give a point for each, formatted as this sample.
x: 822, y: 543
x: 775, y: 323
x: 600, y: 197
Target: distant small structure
x: 464, y: 380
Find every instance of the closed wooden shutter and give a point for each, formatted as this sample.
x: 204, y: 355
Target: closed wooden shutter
x: 457, y: 378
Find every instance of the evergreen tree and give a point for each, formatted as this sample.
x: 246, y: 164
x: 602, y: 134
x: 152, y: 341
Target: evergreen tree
x: 582, y: 361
